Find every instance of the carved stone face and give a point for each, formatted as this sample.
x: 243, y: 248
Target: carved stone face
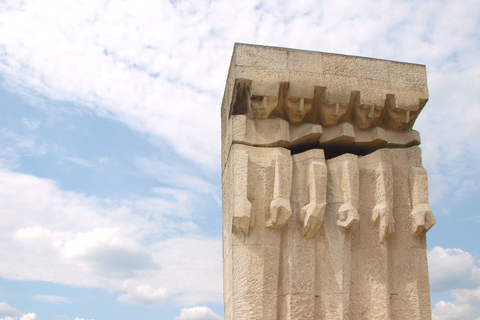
x: 262, y: 106
x: 330, y: 112
x: 397, y: 118
x: 365, y: 115
x: 297, y: 108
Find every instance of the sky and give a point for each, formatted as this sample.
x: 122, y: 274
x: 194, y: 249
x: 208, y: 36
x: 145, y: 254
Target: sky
x: 110, y: 180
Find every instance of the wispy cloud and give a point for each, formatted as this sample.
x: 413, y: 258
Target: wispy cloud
x: 160, y: 67
x: 456, y: 271
x: 13, y: 146
x: 119, y: 244
x: 81, y: 162
x: 52, y: 299
x: 197, y: 313
x: 161, y: 70
x: 10, y: 313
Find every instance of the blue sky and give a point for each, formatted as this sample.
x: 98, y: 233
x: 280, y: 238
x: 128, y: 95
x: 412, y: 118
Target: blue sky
x: 110, y: 192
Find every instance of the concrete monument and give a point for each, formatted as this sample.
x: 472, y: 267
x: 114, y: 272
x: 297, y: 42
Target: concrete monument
x: 325, y: 204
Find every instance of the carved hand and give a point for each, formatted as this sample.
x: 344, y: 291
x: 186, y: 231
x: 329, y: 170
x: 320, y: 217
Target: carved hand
x: 241, y: 215
x: 347, y: 217
x: 423, y: 219
x: 280, y: 212
x: 312, y: 216
x: 384, y: 214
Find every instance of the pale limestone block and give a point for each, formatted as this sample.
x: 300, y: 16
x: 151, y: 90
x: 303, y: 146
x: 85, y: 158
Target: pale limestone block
x: 330, y: 307
x: 305, y: 61
x: 403, y: 139
x: 255, y: 276
x: 298, y: 256
x: 374, y: 69
x: 370, y: 294
x: 406, y: 73
x: 297, y: 269
x: 338, y: 90
x: 264, y: 81
x: 273, y: 132
x: 260, y: 56
x: 342, y: 272
x: 302, y: 84
x: 367, y: 141
x: 339, y: 65
x: 268, y: 132
x: 341, y: 135
x: 410, y: 266
x: 424, y: 302
x: 333, y: 245
x: 373, y: 91
x: 297, y: 306
x: 305, y: 135
x: 265, y: 88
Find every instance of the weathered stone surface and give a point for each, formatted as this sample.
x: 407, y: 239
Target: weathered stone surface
x: 325, y: 200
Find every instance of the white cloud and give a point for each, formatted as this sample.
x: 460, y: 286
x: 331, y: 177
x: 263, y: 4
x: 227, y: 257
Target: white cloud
x: 10, y: 313
x: 6, y: 310
x: 80, y: 162
x: 451, y: 311
x: 105, y: 251
x: 452, y: 269
x: 457, y: 271
x: 119, y: 244
x: 31, y: 124
x: 197, y: 313
x: 160, y: 66
x: 103, y: 159
x: 144, y: 294
x: 52, y: 299
x: 12, y: 146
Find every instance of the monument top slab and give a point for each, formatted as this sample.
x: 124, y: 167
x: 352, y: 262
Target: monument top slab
x: 355, y: 101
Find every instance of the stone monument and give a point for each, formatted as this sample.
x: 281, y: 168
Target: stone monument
x: 325, y: 201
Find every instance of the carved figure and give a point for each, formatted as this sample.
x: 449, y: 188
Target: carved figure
x: 324, y: 195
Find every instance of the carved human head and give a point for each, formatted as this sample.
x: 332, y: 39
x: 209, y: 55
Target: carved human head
x: 262, y: 106
x: 397, y: 117
x: 331, y: 112
x: 297, y: 108
x: 365, y: 114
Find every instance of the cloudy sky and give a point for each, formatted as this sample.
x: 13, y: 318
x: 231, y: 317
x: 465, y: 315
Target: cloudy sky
x: 110, y: 195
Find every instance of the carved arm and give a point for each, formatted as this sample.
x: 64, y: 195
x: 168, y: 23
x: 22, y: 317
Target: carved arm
x: 348, y: 213
x: 383, y: 210
x: 423, y: 218
x: 312, y: 214
x: 242, y: 207
x: 280, y: 209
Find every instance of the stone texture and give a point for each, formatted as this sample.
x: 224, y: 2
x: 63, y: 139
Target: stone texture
x: 325, y: 200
